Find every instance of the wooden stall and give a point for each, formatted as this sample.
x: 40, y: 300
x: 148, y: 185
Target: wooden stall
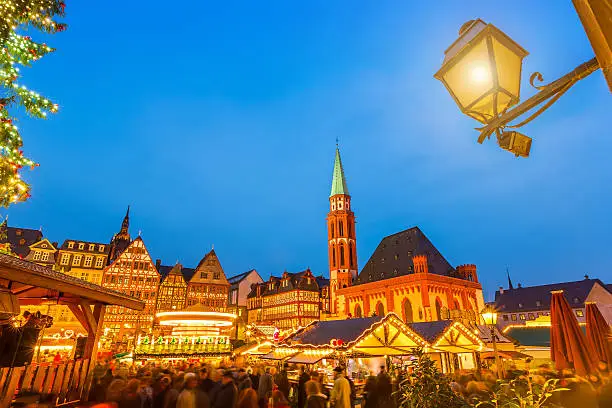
x: 23, y: 283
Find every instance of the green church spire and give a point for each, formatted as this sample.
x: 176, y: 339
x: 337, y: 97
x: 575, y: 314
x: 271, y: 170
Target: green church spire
x: 338, y: 180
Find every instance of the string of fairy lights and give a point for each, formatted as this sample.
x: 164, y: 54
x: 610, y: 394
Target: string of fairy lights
x: 21, y: 50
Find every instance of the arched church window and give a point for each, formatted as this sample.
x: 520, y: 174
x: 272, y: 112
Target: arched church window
x: 341, y: 255
x: 340, y: 229
x: 380, y: 309
x: 351, y: 254
x: 333, y: 255
x: 407, y: 309
x: 332, y: 229
x: 357, y: 311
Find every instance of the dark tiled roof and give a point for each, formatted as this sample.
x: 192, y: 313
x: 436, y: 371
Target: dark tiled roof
x: 322, y: 332
x: 20, y: 239
x: 238, y: 278
x: 188, y: 273
x: 393, y: 257
x: 253, y: 292
x: 164, y: 270
x: 575, y: 293
x: 430, y: 331
x: 322, y: 281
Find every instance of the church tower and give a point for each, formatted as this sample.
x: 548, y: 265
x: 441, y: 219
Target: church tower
x: 121, y: 240
x: 340, y: 235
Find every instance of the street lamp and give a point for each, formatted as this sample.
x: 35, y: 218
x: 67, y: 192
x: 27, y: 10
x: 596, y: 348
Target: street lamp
x: 482, y: 72
x: 489, y: 315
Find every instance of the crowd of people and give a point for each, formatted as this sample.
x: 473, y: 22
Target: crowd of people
x: 190, y: 386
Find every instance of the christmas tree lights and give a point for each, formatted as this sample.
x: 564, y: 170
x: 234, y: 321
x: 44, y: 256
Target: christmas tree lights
x: 20, y: 50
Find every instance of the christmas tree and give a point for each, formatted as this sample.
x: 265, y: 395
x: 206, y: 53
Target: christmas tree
x: 17, y: 50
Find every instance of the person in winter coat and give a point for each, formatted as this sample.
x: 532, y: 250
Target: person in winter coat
x: 279, y: 400
x: 192, y: 396
x: 370, y: 393
x: 341, y: 393
x: 227, y: 394
x: 205, y: 383
x: 264, y: 391
x: 244, y: 381
x: 282, y: 382
x: 314, y: 397
x: 302, y: 380
x: 130, y: 397
x: 248, y: 399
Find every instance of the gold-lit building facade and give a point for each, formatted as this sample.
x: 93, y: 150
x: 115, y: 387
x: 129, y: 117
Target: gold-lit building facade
x: 173, y: 288
x: 132, y: 273
x: 82, y: 259
x: 208, y: 286
x: 290, y: 301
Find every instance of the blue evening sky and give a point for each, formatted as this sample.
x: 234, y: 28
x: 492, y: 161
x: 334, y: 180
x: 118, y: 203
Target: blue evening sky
x: 217, y: 122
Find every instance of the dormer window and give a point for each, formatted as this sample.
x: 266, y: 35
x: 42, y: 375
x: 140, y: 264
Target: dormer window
x: 70, y: 245
x: 92, y: 247
x: 576, y: 300
x: 18, y: 233
x: 81, y: 245
x: 538, y: 303
x: 520, y: 305
x: 101, y: 248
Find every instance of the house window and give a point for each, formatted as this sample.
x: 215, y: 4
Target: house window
x: 530, y: 316
x: 99, y: 262
x: 36, y: 255
x: 81, y: 245
x: 217, y: 275
x: 91, y: 247
x: 579, y: 313
x: 513, y: 317
x: 65, y: 259
x: 70, y: 245
x: 505, y: 317
x: 396, y: 257
x: 77, y: 259
x: 44, y: 256
x: 203, y: 275
x: 88, y: 260
x: 101, y: 248
x: 522, y: 316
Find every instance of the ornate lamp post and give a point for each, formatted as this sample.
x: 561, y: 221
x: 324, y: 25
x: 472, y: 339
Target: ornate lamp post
x: 482, y: 72
x: 489, y: 315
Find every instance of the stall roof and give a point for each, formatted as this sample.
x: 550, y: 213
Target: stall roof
x: 431, y: 331
x: 538, y: 336
x: 279, y: 354
x: 308, y: 358
x: 321, y: 333
x: 32, y: 282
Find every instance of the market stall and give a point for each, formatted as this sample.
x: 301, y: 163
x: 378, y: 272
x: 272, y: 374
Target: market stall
x: 193, y: 333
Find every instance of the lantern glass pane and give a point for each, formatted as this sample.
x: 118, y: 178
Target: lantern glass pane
x: 508, y: 68
x: 471, y: 77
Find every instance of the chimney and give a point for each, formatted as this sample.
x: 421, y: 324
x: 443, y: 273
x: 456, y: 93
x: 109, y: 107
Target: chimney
x: 520, y: 285
x: 420, y: 264
x: 501, y: 290
x: 157, y: 263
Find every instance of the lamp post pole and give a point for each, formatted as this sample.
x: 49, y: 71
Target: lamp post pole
x: 500, y: 372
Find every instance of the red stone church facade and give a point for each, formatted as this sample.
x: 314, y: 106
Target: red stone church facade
x: 406, y: 274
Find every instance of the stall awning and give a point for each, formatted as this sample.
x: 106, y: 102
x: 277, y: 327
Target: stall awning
x: 279, y: 355
x: 506, y: 355
x: 307, y: 358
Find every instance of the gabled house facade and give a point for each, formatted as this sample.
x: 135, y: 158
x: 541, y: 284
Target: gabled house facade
x: 208, y: 286
x: 133, y: 273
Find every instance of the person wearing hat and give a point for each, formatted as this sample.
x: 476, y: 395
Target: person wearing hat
x: 341, y: 393
x: 226, y: 395
x: 192, y: 396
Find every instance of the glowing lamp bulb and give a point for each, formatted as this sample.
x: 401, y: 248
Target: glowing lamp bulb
x: 480, y: 74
